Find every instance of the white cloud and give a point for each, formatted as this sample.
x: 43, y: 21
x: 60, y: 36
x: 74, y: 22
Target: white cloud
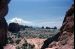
x: 20, y: 21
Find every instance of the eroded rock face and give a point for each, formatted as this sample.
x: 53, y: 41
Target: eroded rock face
x: 65, y: 38
x: 3, y: 31
x: 3, y: 8
x: 68, y: 23
x: 14, y: 27
x: 3, y: 23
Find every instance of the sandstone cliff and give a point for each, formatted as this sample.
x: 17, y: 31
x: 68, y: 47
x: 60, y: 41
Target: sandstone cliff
x: 65, y: 38
x: 3, y: 23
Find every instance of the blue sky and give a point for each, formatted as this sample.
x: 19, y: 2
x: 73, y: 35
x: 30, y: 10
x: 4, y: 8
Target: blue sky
x: 39, y: 12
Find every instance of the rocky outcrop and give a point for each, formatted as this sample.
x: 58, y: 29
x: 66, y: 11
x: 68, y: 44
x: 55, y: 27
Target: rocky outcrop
x: 65, y: 38
x: 3, y: 32
x: 3, y: 8
x: 14, y: 27
x: 68, y: 23
x: 3, y: 24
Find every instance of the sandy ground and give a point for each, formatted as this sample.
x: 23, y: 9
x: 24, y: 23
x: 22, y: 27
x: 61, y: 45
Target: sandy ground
x: 37, y: 42
x: 34, y: 41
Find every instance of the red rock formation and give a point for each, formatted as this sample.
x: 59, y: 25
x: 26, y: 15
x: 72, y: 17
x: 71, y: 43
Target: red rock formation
x: 65, y: 38
x: 3, y: 24
x: 3, y: 8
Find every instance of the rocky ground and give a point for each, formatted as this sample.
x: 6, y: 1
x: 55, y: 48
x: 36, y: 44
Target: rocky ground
x: 37, y: 42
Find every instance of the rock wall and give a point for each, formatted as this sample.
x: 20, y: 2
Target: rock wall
x: 3, y: 23
x: 65, y: 38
